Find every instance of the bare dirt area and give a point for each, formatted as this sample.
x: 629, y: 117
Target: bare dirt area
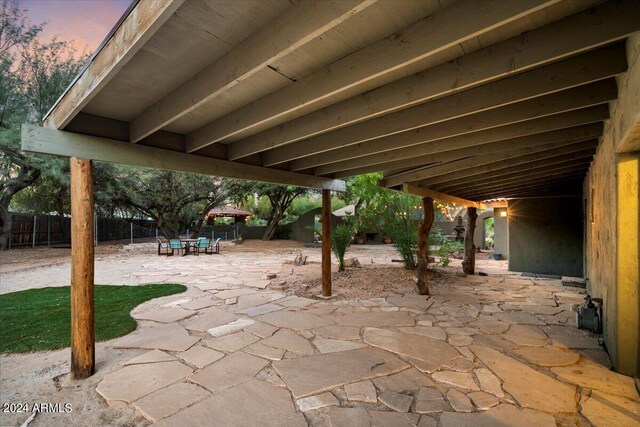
x: 368, y: 281
x: 27, y: 258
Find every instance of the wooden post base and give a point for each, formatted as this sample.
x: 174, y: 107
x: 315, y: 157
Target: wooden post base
x: 423, y: 245
x: 82, y: 270
x: 326, y: 243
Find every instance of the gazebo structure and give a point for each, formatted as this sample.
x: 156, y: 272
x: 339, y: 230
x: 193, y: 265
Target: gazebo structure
x: 238, y: 215
x: 462, y: 101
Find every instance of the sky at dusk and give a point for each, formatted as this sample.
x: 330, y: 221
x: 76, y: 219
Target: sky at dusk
x: 87, y: 22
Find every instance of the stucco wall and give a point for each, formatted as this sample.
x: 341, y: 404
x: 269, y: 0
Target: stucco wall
x: 603, y: 236
x: 545, y: 236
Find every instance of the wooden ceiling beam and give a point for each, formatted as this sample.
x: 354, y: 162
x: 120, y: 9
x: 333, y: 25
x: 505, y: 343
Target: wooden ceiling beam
x: 523, y: 178
x: 548, y: 105
x: 584, y: 69
x: 382, y: 61
x: 488, y: 163
x: 579, y: 160
x: 584, y: 31
x: 60, y: 143
x: 425, y: 192
x: 484, y: 142
x: 507, y: 192
x: 296, y: 26
x: 560, y: 188
x: 134, y: 31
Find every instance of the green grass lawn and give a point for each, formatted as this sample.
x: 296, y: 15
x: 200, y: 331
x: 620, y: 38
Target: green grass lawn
x: 39, y: 319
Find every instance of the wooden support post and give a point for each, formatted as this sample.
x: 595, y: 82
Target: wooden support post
x: 82, y: 273
x: 423, y: 245
x: 326, y: 243
x: 469, y: 262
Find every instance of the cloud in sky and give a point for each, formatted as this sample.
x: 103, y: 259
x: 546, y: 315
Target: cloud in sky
x: 86, y: 22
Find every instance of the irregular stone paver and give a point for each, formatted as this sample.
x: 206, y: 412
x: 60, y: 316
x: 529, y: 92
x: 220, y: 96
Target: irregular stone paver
x: 459, y: 401
x: 529, y: 387
x: 490, y: 326
x: 502, y: 415
x: 294, y: 320
x: 199, y: 303
x: 458, y: 379
x: 377, y: 319
x: 339, y: 332
x: 261, y: 309
x: 526, y: 335
x: 461, y: 331
x: 519, y: 317
x: 317, y: 402
x: 231, y: 327
x: 575, y: 341
x: 232, y: 342
x: 290, y: 341
x: 410, y: 379
x: 169, y: 400
x: 326, y: 345
x: 209, y: 318
x: 261, y: 329
x: 252, y: 403
x: 362, y: 391
x: 494, y: 341
x: 396, y: 401
x: 253, y: 300
x: 593, y: 376
x: 360, y: 417
x: 433, y: 353
x: 460, y: 340
x: 164, y: 315
x: 295, y: 301
x: 548, y: 356
x: 489, y: 382
x: 135, y: 381
x: 430, y: 400
x: 434, y: 332
x: 232, y: 370
x: 200, y: 356
x: 482, y: 400
x: 177, y: 302
x: 605, y: 410
x: 264, y: 351
x: 419, y: 302
x: 427, y: 421
x: 314, y: 374
x: 170, y: 337
x: 153, y: 356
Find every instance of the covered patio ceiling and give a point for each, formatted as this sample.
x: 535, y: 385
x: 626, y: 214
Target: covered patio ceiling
x: 470, y: 100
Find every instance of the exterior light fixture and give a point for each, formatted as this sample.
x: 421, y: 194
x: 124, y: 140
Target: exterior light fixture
x: 503, y: 213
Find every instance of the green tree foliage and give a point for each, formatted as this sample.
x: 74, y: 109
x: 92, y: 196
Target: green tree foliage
x: 341, y: 237
x: 33, y: 75
x: 173, y: 199
x: 280, y: 199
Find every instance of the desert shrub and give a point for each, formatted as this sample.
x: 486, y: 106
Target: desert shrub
x: 341, y: 236
x: 445, y: 249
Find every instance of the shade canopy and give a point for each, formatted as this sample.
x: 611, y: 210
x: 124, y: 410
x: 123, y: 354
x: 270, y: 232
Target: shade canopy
x: 462, y: 100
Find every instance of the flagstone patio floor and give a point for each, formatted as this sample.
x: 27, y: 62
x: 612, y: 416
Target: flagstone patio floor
x: 497, y: 350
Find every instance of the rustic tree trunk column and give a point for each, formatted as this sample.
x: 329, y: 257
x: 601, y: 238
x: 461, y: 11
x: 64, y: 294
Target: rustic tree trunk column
x: 469, y: 263
x: 82, y: 316
x: 326, y: 243
x: 423, y: 245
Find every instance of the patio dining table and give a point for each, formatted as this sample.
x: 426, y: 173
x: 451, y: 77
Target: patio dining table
x: 188, y: 245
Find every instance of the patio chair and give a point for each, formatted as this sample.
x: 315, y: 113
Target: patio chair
x: 163, y: 247
x: 175, y: 244
x: 202, y: 243
x: 215, y: 246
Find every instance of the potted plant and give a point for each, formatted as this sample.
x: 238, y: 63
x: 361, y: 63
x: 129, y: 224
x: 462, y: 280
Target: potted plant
x: 360, y: 240
x: 387, y: 239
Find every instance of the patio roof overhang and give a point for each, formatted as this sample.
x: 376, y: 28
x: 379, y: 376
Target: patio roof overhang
x: 466, y: 100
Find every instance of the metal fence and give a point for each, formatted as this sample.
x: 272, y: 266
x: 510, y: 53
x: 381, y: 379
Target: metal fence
x: 52, y: 230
